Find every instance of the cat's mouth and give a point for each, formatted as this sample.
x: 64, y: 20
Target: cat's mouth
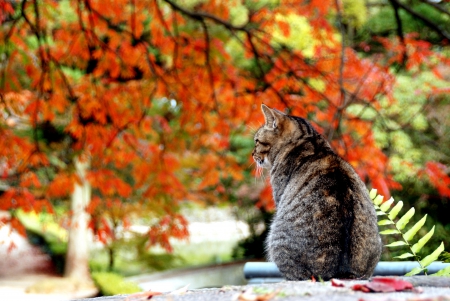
x: 259, y: 161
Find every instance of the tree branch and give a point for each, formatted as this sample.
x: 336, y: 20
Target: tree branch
x: 442, y: 32
x: 208, y: 65
x: 338, y: 113
x: 400, y: 31
x: 437, y: 6
x: 202, y: 15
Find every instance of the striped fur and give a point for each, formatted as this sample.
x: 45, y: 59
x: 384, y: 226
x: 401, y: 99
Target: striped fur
x: 325, y: 224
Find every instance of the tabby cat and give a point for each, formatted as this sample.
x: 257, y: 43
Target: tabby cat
x: 325, y: 223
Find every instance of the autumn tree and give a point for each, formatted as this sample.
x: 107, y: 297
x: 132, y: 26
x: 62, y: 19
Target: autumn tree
x: 414, y: 132
x: 139, y: 101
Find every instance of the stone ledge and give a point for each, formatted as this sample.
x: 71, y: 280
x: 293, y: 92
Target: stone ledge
x: 434, y: 288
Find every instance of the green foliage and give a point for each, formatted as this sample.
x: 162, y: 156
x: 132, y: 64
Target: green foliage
x: 111, y: 284
x: 355, y: 13
x: 381, y: 22
x: 238, y: 14
x: 253, y: 246
x: 445, y: 257
x: 258, y: 220
x: 43, y: 231
x: 298, y: 27
x: 385, y: 210
x: 44, y: 224
x: 423, y: 141
x: 412, y: 131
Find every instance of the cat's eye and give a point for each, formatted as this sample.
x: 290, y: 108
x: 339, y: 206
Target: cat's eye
x: 262, y: 143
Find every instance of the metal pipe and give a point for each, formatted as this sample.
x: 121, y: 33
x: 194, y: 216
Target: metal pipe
x: 400, y: 268
x: 383, y: 268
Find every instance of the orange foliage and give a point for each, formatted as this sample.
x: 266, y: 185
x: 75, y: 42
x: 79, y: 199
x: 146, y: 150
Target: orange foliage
x: 438, y: 175
x: 153, y: 92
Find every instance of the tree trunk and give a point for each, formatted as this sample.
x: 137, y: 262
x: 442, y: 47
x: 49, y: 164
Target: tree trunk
x: 111, y: 258
x: 77, y: 258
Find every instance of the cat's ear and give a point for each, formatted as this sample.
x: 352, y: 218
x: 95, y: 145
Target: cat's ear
x: 272, y: 117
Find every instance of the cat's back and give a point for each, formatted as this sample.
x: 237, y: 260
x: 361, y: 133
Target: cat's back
x: 324, y: 218
x: 325, y: 224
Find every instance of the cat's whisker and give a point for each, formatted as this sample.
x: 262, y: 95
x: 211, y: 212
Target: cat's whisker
x: 252, y: 127
x: 259, y: 172
x: 263, y: 176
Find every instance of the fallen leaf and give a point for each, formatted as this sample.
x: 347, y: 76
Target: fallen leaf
x: 380, y: 287
x: 249, y: 295
x: 384, y: 285
x: 313, y: 279
x: 337, y: 283
x: 142, y: 296
x: 361, y: 287
x: 180, y: 291
x: 395, y: 283
x: 225, y: 288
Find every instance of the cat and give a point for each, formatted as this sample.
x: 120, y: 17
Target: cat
x: 325, y: 225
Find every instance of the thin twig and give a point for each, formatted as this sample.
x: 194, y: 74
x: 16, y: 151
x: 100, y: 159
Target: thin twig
x: 208, y: 65
x: 400, y: 32
x: 203, y: 15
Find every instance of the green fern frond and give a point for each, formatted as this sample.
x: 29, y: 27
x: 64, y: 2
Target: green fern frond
x: 388, y: 214
x: 411, y: 232
x: 443, y: 272
x: 433, y: 256
x: 404, y: 220
x: 419, y: 245
x: 415, y: 271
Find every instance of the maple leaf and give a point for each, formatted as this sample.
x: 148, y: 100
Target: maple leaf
x: 384, y: 285
x: 337, y: 283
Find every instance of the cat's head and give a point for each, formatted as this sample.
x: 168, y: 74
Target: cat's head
x: 277, y: 132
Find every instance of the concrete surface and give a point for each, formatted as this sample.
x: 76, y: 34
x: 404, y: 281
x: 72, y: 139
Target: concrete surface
x: 199, y: 277
x: 297, y: 290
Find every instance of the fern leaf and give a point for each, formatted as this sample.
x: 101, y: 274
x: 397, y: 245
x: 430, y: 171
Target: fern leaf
x: 414, y: 271
x: 433, y: 256
x: 444, y: 272
x: 390, y: 231
x: 378, y: 200
x: 418, y: 246
x: 404, y: 220
x: 380, y: 213
x: 396, y: 244
x: 393, y: 213
x: 404, y: 255
x: 373, y: 193
x: 387, y: 205
x: 385, y: 222
x: 410, y: 234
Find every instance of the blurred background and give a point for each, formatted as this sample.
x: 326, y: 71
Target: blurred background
x: 126, y: 129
